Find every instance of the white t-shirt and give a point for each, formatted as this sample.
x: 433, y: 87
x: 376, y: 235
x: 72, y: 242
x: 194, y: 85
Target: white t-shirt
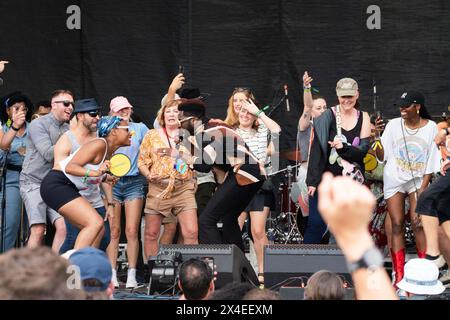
x: 420, y: 154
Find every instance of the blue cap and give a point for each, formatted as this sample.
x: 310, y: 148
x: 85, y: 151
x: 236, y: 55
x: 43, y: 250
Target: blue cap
x: 93, y: 264
x: 86, y: 105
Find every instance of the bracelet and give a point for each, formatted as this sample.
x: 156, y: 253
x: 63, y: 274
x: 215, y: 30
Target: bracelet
x: 111, y: 204
x: 307, y: 89
x: 258, y: 114
x: 14, y: 128
x: 86, y: 175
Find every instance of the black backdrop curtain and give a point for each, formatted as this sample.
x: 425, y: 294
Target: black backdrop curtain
x: 133, y: 48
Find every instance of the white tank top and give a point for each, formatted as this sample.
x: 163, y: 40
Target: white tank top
x: 90, y: 188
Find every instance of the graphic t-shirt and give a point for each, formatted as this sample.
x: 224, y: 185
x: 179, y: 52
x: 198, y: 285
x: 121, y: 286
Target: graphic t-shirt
x: 408, y: 153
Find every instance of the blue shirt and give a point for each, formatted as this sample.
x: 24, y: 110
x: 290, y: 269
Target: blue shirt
x: 132, y: 151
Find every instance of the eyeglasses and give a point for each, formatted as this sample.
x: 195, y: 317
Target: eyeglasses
x: 93, y: 114
x: 186, y: 119
x: 66, y: 103
x: 123, y: 127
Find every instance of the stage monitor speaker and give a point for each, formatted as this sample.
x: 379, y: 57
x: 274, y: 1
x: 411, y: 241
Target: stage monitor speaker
x: 292, y: 264
x: 231, y: 263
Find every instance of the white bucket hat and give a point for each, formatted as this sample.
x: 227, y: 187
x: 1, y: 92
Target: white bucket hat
x: 421, y: 277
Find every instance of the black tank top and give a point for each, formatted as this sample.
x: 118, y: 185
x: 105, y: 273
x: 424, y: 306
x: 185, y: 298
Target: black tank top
x: 351, y: 136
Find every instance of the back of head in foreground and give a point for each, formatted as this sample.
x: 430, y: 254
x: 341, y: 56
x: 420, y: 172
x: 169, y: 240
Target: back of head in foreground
x: 196, y: 279
x: 324, y: 285
x: 35, y: 274
x: 232, y: 291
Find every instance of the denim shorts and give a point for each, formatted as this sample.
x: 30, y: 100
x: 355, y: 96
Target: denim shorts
x: 129, y: 188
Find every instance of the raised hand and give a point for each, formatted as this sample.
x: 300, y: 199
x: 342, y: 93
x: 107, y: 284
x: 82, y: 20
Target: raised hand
x: 177, y: 82
x: 18, y: 118
x: 249, y: 106
x: 2, y: 65
x: 307, y: 80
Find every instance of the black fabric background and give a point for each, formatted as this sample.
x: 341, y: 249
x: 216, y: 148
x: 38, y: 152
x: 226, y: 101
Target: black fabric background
x: 133, y: 48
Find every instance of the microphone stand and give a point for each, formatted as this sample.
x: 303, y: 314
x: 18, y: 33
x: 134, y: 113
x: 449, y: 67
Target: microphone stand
x: 3, y: 201
x: 277, y: 105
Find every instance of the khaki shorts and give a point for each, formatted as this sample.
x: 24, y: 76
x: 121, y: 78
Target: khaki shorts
x: 182, y: 198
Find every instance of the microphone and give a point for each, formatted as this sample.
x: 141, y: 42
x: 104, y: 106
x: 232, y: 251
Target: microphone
x: 286, y: 97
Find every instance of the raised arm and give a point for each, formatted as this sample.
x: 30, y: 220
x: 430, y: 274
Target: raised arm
x: 346, y: 207
x: 18, y: 120
x: 305, y: 119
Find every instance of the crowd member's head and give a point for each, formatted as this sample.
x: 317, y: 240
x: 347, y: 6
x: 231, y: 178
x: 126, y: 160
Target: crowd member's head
x: 87, y: 112
x: 348, y: 93
x: 192, y: 113
x: 421, y: 278
x: 234, y: 104
x: 196, y: 279
x: 261, y: 294
x: 168, y: 114
x: 121, y: 107
x: 62, y: 102
x: 324, y: 285
x: 412, y: 105
x: 15, y: 101
x: 319, y: 105
x: 232, y: 291
x: 95, y: 270
x: 35, y: 274
x: 42, y: 108
x: 114, y: 129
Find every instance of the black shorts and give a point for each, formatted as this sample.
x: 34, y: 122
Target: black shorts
x: 435, y: 200
x: 57, y: 190
x: 260, y: 200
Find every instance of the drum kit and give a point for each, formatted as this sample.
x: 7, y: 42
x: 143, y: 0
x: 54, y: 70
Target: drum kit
x: 283, y: 228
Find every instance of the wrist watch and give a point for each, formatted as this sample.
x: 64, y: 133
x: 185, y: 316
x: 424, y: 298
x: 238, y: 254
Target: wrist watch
x: 372, y: 259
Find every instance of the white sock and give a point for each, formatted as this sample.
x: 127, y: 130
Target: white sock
x: 132, y: 272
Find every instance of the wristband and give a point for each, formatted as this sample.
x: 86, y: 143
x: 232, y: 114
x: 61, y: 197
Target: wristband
x: 111, y: 204
x: 86, y: 175
x: 258, y: 114
x: 17, y: 129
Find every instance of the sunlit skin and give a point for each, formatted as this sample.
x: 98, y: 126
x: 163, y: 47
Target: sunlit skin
x: 61, y: 112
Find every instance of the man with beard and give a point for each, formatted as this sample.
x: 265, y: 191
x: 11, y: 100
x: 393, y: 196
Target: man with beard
x: 216, y: 145
x: 87, y: 114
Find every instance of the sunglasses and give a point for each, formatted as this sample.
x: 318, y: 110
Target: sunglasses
x: 186, y: 119
x: 66, y: 103
x: 93, y: 114
x: 123, y: 127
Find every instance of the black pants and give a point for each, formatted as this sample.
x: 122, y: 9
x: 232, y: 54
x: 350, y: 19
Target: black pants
x: 435, y: 200
x: 204, y: 193
x: 229, y: 200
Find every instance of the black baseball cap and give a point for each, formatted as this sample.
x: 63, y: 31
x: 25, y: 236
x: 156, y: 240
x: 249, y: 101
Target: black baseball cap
x: 409, y: 97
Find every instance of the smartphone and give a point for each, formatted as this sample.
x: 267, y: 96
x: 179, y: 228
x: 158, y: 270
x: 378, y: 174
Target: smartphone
x: 180, y: 69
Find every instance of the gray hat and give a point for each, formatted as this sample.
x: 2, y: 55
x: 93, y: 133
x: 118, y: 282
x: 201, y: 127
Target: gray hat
x: 346, y: 87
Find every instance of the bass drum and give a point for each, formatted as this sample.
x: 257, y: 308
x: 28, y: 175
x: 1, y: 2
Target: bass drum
x: 299, y: 190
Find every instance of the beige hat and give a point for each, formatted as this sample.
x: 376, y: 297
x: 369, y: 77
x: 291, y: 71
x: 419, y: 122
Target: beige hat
x: 346, y: 87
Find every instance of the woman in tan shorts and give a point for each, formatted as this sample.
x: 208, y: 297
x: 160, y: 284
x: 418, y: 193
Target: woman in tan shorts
x: 171, y: 181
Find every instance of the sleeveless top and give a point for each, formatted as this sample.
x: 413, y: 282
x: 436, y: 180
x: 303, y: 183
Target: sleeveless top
x: 89, y: 189
x: 351, y: 136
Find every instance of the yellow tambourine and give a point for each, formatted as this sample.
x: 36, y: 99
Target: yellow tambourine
x: 120, y: 165
x: 370, y: 162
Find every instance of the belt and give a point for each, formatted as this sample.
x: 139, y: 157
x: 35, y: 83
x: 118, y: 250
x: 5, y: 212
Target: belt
x: 13, y: 167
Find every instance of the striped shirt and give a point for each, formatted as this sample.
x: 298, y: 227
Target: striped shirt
x: 256, y: 141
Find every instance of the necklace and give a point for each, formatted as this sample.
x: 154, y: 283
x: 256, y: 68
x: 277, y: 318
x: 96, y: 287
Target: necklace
x: 411, y: 132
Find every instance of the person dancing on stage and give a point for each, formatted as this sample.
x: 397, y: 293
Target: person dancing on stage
x: 83, y: 169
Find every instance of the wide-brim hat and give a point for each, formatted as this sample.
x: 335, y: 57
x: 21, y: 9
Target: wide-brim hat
x: 193, y: 93
x: 421, y: 277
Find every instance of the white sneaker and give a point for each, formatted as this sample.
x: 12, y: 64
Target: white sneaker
x: 131, y: 279
x: 445, y: 278
x: 114, y: 278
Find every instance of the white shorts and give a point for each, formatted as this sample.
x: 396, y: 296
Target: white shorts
x: 407, y: 188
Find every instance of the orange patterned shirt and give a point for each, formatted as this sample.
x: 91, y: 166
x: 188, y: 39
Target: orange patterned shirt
x: 163, y: 166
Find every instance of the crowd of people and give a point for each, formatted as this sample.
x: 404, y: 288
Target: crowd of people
x: 190, y: 173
